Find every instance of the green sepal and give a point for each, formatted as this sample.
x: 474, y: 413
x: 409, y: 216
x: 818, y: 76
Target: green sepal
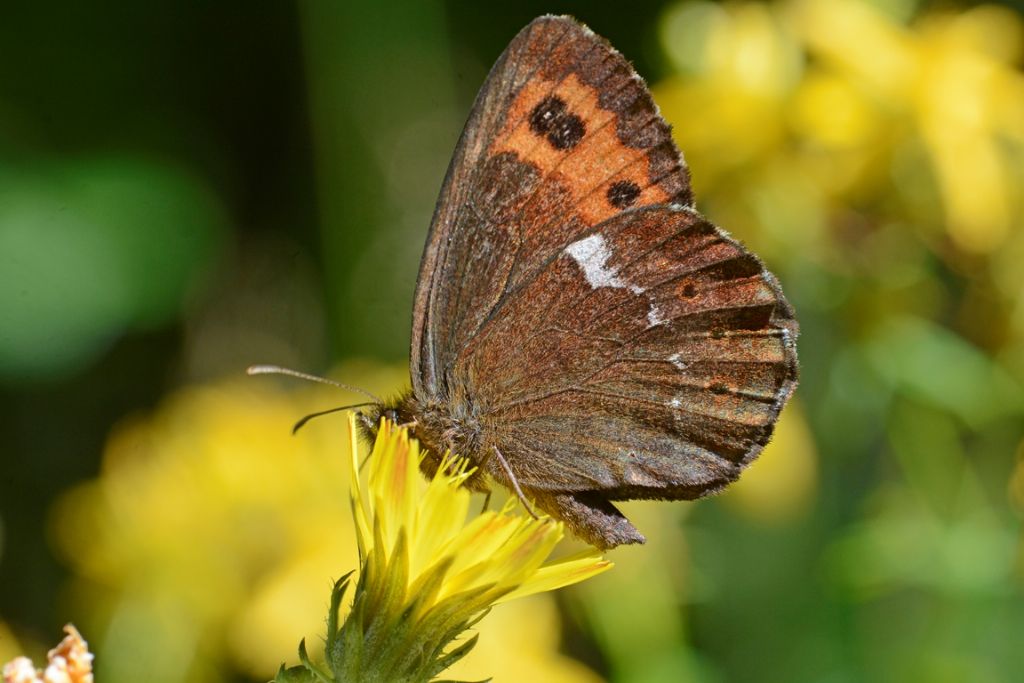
x: 452, y: 656
x: 295, y: 674
x: 337, y: 595
x: 379, y: 630
x: 410, y: 642
x: 453, y: 615
x: 319, y: 674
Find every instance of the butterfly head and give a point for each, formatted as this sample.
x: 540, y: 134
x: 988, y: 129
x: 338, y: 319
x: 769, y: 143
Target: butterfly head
x: 395, y: 411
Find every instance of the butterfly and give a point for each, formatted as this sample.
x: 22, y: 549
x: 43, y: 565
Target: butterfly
x: 580, y: 332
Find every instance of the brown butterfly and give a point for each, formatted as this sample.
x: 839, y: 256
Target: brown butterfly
x: 580, y: 332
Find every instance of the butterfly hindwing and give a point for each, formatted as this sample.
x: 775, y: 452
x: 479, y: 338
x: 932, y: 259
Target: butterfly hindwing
x: 651, y: 358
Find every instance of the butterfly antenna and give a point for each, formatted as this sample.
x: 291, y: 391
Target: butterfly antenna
x: 278, y: 370
x: 307, y: 418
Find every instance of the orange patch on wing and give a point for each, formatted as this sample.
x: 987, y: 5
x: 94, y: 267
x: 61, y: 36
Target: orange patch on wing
x: 589, y: 168
x: 519, y: 138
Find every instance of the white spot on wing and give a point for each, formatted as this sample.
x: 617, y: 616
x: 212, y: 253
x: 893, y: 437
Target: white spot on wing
x: 787, y: 338
x: 654, y: 316
x: 592, y: 254
x: 676, y: 359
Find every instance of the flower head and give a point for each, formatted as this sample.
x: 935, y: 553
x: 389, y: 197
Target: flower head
x: 427, y: 573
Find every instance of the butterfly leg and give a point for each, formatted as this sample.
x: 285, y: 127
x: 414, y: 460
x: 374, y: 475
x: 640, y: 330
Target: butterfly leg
x: 514, y: 482
x: 590, y: 516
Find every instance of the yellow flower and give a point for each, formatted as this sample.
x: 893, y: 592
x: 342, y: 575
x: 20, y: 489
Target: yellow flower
x: 429, y: 571
x: 951, y: 82
x: 501, y: 551
x: 794, y: 112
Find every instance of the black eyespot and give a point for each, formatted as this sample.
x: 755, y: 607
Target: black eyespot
x: 544, y: 115
x: 567, y: 132
x: 551, y: 119
x: 689, y: 290
x: 623, y: 193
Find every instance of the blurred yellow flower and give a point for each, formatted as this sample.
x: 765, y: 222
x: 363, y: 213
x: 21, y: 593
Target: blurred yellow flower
x: 950, y: 81
x: 846, y: 100
x: 205, y: 544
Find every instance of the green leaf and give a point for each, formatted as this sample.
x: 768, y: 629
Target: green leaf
x: 94, y: 248
x: 935, y: 365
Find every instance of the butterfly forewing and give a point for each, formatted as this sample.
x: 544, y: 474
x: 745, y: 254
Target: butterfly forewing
x: 516, y: 66
x: 564, y: 135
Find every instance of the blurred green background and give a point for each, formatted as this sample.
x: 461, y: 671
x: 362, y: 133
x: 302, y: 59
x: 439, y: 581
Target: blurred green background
x: 189, y: 188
